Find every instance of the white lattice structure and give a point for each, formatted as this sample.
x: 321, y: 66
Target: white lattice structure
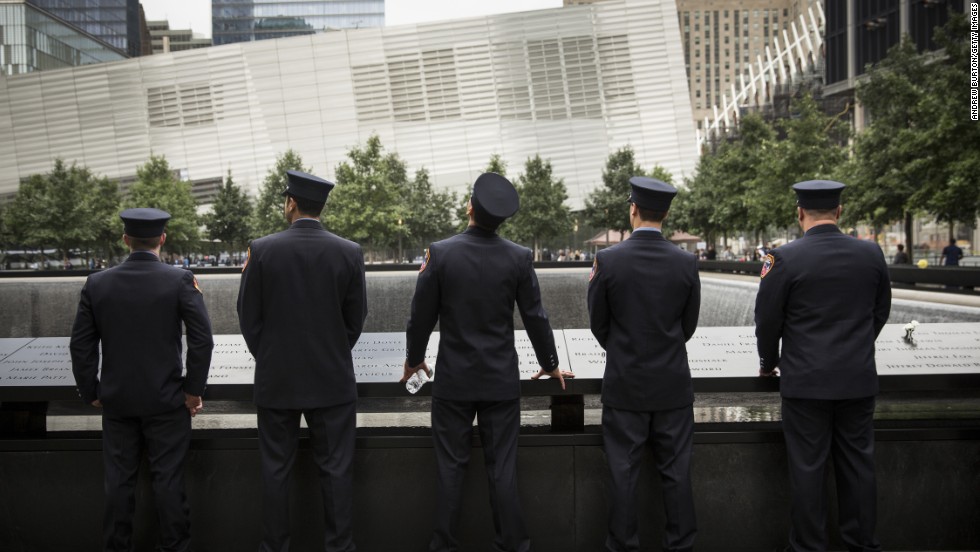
x: 795, y: 56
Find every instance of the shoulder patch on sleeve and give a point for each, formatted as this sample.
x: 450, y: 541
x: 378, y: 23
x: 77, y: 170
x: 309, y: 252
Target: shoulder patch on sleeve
x: 595, y: 268
x: 767, y: 265
x: 248, y: 255
x: 425, y: 262
x: 197, y: 286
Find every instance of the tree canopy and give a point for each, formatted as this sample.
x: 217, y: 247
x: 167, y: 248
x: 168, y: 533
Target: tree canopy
x: 228, y: 220
x: 268, y: 216
x: 918, y: 153
x: 157, y: 186
x: 367, y: 203
x: 606, y: 207
x: 429, y: 214
x: 543, y: 214
x: 68, y: 209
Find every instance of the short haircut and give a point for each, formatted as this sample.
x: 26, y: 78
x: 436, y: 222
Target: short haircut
x: 649, y: 215
x: 901, y: 247
x: 821, y: 213
x: 144, y: 244
x: 307, y: 206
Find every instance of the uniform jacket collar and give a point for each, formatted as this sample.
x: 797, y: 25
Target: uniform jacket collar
x: 480, y: 232
x: 647, y: 235
x: 823, y: 229
x: 142, y: 256
x: 307, y: 223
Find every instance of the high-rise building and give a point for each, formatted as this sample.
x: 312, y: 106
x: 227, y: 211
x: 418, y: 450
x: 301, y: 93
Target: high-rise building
x: 249, y: 20
x: 31, y: 39
x: 115, y: 22
x: 165, y: 39
x: 860, y: 32
x: 721, y: 39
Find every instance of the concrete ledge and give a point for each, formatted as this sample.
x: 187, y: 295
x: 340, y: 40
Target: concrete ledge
x: 927, y: 493
x: 45, y: 307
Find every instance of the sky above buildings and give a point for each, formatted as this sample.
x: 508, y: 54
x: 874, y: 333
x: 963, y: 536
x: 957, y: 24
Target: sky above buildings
x: 197, y: 14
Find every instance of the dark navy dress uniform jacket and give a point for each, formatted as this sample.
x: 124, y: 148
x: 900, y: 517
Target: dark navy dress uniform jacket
x: 644, y: 331
x: 301, y: 308
x: 135, y: 310
x: 470, y: 283
x: 827, y: 295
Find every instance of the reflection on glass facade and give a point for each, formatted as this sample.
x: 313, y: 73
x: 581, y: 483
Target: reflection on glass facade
x: 249, y: 20
x: 115, y: 22
x: 571, y: 84
x: 31, y: 40
x: 876, y: 26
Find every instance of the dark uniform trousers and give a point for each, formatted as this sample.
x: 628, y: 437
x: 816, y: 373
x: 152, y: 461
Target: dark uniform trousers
x: 166, y: 438
x: 815, y: 429
x: 625, y: 434
x: 452, y: 428
x: 332, y: 432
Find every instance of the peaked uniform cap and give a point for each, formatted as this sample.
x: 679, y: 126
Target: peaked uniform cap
x: 308, y: 186
x: 494, y: 200
x: 144, y: 222
x: 818, y: 194
x: 650, y: 193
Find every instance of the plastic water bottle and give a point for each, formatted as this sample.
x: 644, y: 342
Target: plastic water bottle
x: 416, y: 382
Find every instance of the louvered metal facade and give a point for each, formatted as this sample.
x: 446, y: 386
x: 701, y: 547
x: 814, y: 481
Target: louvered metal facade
x: 571, y: 84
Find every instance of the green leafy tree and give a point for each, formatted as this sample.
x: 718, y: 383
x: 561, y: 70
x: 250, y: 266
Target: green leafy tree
x: 691, y: 210
x: 951, y: 191
x: 5, y: 237
x: 918, y: 154
x: 367, y: 204
x: 228, y: 220
x: 890, y: 161
x: 429, y: 214
x: 606, y: 207
x: 809, y: 150
x: 268, y: 216
x: 718, y: 198
x: 662, y: 174
x: 106, y: 226
x: 67, y: 209
x: 496, y: 165
x: 157, y: 186
x: 543, y: 214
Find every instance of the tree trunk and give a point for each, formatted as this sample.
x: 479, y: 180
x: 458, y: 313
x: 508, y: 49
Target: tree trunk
x: 908, y: 235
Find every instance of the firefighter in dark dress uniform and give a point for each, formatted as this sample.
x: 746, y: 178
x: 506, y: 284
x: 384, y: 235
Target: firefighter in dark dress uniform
x: 301, y: 308
x: 470, y: 283
x: 826, y: 295
x: 135, y: 311
x: 644, y: 300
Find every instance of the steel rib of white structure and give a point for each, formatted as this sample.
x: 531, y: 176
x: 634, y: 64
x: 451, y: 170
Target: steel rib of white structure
x: 800, y: 55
